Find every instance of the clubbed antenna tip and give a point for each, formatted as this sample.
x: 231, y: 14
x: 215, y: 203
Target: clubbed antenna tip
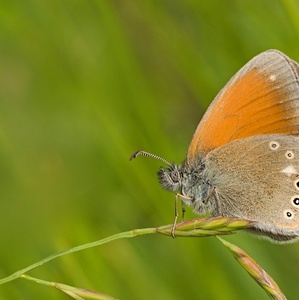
x: 144, y: 153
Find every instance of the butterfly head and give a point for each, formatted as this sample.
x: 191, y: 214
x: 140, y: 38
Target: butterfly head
x: 171, y: 178
x: 186, y: 180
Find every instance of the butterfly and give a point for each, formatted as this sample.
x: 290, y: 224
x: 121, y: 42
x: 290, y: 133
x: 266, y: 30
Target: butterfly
x: 243, y: 159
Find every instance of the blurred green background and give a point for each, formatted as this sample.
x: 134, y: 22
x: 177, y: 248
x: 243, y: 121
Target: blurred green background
x: 83, y: 84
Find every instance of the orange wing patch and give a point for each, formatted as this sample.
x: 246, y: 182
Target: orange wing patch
x: 262, y: 98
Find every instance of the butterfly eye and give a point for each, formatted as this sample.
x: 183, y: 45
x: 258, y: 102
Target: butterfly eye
x: 175, y: 176
x: 169, y: 178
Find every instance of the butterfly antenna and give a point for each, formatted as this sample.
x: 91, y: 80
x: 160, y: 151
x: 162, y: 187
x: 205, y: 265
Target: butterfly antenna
x: 144, y: 153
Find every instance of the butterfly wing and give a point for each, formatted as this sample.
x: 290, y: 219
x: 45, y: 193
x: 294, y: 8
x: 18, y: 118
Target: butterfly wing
x: 260, y: 183
x: 262, y: 98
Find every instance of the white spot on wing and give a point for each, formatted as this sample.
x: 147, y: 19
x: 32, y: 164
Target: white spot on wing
x: 288, y: 214
x: 295, y: 201
x: 289, y: 154
x: 274, y: 145
x: 289, y: 170
x: 272, y: 77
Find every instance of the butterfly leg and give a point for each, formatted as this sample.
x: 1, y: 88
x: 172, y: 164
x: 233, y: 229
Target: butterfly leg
x: 183, y: 210
x: 176, y: 214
